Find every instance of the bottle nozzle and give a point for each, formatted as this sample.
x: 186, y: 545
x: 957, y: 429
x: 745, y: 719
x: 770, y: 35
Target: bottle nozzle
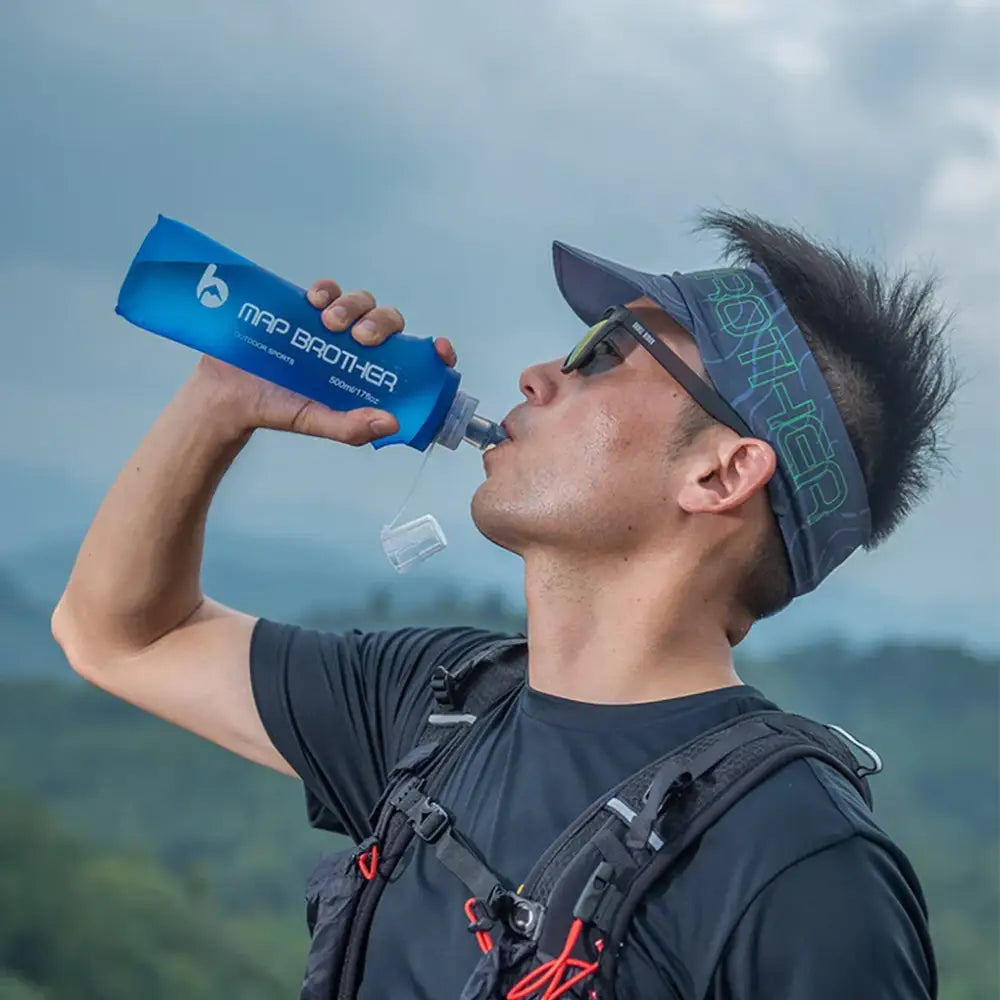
x: 482, y: 433
x: 463, y: 424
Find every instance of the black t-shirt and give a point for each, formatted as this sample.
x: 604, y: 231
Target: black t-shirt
x: 794, y: 894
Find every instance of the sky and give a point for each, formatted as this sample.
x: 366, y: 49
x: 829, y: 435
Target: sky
x: 431, y: 152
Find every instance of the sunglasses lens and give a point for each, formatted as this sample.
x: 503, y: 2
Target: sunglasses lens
x: 581, y: 353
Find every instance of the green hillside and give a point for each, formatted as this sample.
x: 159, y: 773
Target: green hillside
x: 88, y: 924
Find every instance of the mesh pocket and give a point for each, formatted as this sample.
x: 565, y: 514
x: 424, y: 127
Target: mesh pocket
x: 499, y: 968
x: 332, y: 894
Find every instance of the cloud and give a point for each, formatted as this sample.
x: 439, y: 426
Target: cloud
x: 432, y: 151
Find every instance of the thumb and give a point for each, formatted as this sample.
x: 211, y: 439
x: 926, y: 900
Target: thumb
x: 349, y: 427
x: 382, y: 423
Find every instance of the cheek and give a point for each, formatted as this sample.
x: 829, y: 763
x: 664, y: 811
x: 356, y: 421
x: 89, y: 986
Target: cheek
x: 619, y: 436
x: 617, y: 456
x: 603, y: 436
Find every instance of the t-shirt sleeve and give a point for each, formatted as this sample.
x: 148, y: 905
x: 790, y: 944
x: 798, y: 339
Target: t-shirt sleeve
x: 842, y: 922
x: 342, y: 708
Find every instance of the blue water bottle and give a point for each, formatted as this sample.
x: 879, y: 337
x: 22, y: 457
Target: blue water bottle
x: 191, y: 289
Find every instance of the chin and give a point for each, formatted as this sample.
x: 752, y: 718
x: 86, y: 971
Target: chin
x: 497, y: 519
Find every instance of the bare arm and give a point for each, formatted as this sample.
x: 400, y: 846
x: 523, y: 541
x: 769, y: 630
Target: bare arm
x: 133, y: 619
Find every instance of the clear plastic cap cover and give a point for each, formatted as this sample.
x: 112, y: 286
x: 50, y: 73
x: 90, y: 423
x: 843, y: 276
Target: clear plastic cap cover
x: 408, y: 544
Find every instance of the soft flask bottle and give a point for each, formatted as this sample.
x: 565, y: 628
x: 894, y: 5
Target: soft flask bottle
x: 185, y: 286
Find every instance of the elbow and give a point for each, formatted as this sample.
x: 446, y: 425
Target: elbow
x: 67, y: 634
x: 59, y: 624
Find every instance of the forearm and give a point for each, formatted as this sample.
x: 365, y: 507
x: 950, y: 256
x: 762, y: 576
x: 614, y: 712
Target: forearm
x: 137, y: 575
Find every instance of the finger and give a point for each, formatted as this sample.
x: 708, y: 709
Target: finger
x: 446, y: 352
x: 323, y: 292
x: 354, y: 427
x: 378, y: 325
x: 346, y: 309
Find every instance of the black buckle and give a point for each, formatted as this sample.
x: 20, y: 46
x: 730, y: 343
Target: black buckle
x: 444, y: 685
x: 407, y: 794
x: 431, y: 821
x: 594, y: 892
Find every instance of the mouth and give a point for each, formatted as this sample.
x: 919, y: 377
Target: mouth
x: 505, y: 441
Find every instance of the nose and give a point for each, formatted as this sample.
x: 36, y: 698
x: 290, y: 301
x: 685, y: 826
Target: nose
x: 539, y: 383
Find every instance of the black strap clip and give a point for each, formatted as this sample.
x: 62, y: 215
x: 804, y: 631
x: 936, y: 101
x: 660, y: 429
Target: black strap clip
x: 444, y: 685
x: 429, y: 820
x: 594, y: 892
x: 480, y: 925
x: 479, y: 915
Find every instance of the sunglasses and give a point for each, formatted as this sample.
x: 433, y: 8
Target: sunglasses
x: 616, y: 334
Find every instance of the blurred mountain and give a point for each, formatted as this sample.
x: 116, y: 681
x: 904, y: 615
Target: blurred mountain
x: 861, y: 616
x: 38, y: 504
x: 295, y: 580
x: 335, y: 583
x: 282, y: 578
x: 26, y: 645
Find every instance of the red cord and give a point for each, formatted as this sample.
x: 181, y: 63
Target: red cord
x: 549, y: 975
x: 483, y: 938
x: 368, y: 862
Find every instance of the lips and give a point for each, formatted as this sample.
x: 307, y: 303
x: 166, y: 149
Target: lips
x: 514, y: 418
x: 506, y: 441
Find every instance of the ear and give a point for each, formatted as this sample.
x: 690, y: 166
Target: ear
x: 725, y: 478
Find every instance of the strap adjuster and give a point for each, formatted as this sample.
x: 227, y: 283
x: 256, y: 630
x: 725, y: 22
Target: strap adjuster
x: 480, y: 925
x: 430, y: 820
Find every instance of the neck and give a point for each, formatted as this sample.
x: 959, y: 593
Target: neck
x: 613, y: 631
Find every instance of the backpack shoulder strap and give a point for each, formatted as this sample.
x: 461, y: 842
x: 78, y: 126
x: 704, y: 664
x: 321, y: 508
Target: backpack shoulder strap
x: 407, y: 808
x: 460, y: 696
x: 471, y: 688
x: 596, y: 874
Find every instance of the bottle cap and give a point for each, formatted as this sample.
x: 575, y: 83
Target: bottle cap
x: 452, y: 431
x: 405, y: 545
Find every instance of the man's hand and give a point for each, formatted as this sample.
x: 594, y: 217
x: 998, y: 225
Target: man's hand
x: 259, y: 403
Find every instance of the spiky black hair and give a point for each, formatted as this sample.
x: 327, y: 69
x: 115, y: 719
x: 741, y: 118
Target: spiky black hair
x: 881, y: 343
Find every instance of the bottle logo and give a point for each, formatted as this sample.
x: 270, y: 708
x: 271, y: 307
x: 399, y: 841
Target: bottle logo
x: 212, y: 291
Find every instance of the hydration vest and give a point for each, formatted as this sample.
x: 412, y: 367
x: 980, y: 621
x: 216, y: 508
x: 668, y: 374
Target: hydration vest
x: 560, y: 933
